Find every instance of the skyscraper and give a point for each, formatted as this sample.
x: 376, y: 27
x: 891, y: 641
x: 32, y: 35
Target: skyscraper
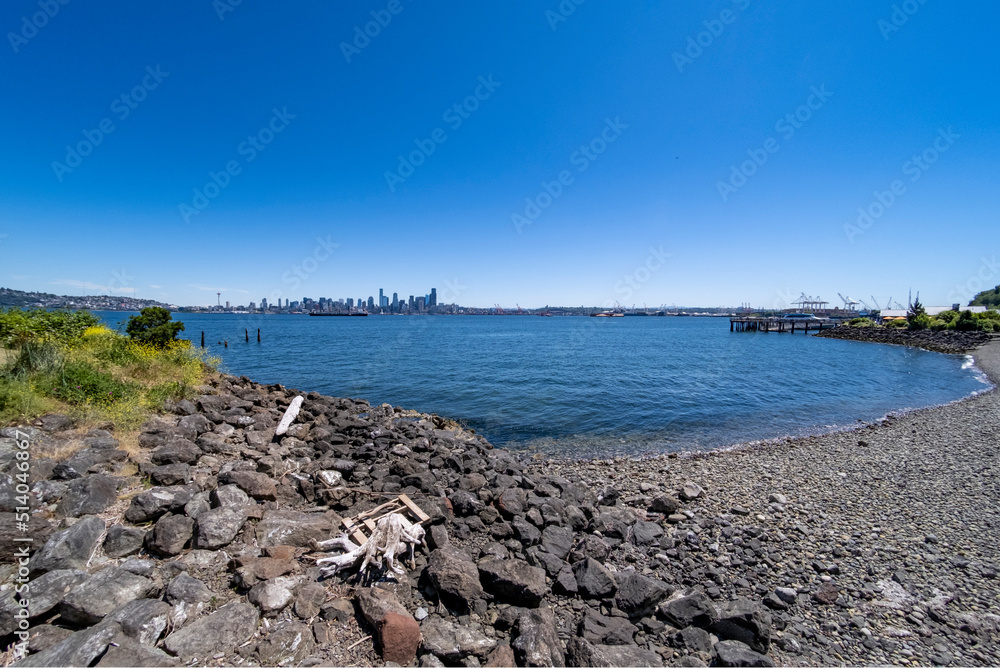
x: 263, y: 304
x: 382, y: 300
x: 434, y: 297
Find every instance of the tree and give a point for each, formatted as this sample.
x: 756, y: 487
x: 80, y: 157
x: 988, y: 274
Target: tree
x: 916, y: 316
x: 153, y: 326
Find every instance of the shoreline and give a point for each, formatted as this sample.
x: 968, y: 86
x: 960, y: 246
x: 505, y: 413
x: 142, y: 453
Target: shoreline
x: 875, y: 545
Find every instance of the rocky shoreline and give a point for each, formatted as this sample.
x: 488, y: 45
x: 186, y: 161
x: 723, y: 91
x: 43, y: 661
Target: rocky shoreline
x: 875, y: 546
x: 947, y: 341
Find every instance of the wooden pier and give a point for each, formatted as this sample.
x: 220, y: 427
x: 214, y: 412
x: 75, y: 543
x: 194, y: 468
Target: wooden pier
x: 781, y: 325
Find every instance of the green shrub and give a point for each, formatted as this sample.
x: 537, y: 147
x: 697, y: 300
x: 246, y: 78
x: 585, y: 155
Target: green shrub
x: 919, y: 322
x: 990, y: 315
x: 861, y: 322
x: 989, y: 326
x: 939, y: 325
x: 947, y: 316
x: 966, y: 322
x: 81, y: 383
x: 18, y: 326
x: 154, y: 327
x: 35, y: 357
x: 896, y: 323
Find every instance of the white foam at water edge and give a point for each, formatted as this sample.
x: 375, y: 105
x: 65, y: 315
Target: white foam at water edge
x: 970, y: 363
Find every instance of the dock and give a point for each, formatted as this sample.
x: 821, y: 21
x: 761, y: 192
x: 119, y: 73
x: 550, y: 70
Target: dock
x: 781, y: 325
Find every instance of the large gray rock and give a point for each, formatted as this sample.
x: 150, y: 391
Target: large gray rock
x: 176, y: 452
x: 272, y: 596
x: 48, y: 589
x: 638, y: 595
x: 88, y: 495
x: 171, y: 474
x: 536, y: 641
x: 579, y: 652
x: 125, y: 651
x: 286, y: 644
x: 143, y: 619
x: 513, y: 581
x: 735, y: 653
x: 746, y: 621
x: 257, y: 485
x: 288, y: 527
x: 103, y: 593
x: 156, y: 502
x: 557, y: 541
x: 230, y: 496
x: 601, y: 630
x: 226, y: 628
x: 454, y: 642
x: 122, y: 541
x: 80, y: 649
x: 455, y: 577
x: 170, y: 535
x: 187, y: 597
x: 69, y: 548
x: 218, y: 527
x: 594, y: 580
x: 689, y: 608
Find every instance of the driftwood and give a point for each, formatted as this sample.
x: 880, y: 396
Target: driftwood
x: 290, y: 414
x: 392, y: 534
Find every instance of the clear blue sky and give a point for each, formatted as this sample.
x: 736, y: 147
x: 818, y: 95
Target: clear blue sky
x: 675, y: 116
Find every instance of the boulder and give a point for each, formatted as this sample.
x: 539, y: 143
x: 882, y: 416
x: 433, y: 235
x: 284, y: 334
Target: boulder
x: 226, y: 628
x: 257, y: 485
x: 230, y: 496
x: 455, y: 577
x: 169, y: 535
x: 125, y: 651
x: 646, y: 533
x: 601, y: 630
x: 271, y: 596
x: 122, y: 541
x: 690, y: 491
x: 513, y: 581
x: 287, y: 644
x: 80, y: 649
x: 735, y: 653
x: 218, y: 527
x: 10, y: 532
x: 69, y: 548
x: 594, y: 580
x: 557, y: 541
x: 143, y: 619
x: 48, y: 589
x: 158, y: 501
x: 89, y: 495
x: 746, y: 621
x: 664, y: 503
x: 692, y: 640
x: 453, y: 642
x: 171, y: 474
x: 397, y: 632
x: 579, y: 652
x: 288, y: 527
x: 103, y: 593
x: 536, y: 641
x: 689, y: 608
x: 188, y: 597
x: 179, y: 451
x: 638, y: 595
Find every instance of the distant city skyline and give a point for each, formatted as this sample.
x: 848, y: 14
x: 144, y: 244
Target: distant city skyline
x: 650, y: 153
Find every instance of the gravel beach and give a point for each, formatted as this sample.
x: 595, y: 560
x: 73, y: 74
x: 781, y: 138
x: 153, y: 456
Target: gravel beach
x: 865, y: 547
x: 888, y: 534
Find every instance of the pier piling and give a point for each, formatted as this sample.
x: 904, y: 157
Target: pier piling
x: 258, y: 335
x: 203, y: 339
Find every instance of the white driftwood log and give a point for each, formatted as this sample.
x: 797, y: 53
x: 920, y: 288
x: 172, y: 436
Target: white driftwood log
x: 390, y: 537
x: 289, y: 417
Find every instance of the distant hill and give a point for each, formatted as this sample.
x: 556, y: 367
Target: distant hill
x: 20, y: 299
x: 988, y: 298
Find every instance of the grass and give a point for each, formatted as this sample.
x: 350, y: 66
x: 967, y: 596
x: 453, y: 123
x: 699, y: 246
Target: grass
x: 71, y: 365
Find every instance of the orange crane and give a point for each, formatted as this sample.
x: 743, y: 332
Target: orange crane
x: 499, y: 309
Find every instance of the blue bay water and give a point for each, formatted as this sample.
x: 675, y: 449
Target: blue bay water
x: 589, y: 386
